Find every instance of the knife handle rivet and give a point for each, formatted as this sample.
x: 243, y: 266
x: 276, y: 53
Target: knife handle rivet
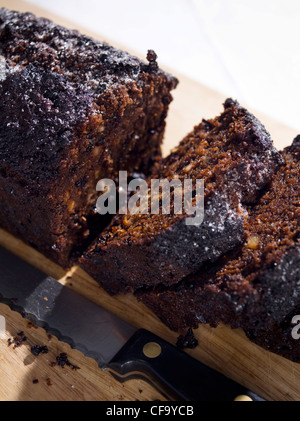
x: 243, y: 398
x: 152, y: 349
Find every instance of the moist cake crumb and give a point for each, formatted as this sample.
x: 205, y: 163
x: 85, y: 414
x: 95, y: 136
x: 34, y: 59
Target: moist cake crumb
x: 233, y: 154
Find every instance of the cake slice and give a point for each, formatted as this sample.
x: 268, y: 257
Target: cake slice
x: 278, y: 338
x: 234, y: 155
x: 256, y: 286
x: 72, y: 111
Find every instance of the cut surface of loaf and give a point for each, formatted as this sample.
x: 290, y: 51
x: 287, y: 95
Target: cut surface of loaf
x: 234, y: 156
x: 256, y: 286
x: 72, y: 111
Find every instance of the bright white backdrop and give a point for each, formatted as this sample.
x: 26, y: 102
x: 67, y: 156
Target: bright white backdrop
x: 247, y: 49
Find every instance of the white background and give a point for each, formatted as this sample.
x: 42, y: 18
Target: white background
x: 246, y: 49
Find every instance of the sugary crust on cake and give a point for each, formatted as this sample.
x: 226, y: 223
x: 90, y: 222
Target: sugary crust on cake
x: 81, y: 59
x: 40, y: 111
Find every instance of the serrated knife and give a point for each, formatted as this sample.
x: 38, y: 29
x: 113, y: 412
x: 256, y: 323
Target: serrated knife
x: 116, y: 345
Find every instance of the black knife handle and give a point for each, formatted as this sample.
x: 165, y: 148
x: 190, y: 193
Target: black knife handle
x: 174, y: 372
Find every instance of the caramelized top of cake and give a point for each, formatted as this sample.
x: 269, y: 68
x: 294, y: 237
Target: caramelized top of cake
x: 58, y: 87
x: 26, y: 39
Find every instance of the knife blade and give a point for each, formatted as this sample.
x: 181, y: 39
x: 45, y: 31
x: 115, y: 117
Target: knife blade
x: 116, y: 346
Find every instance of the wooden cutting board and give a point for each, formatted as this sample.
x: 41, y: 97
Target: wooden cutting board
x: 224, y: 349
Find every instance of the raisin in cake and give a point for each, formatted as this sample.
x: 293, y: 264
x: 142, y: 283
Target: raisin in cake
x: 256, y: 286
x: 234, y: 155
x: 72, y: 111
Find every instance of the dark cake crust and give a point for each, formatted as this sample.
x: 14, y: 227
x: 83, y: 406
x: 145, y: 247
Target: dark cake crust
x: 255, y: 287
x: 72, y: 111
x: 278, y: 338
x: 234, y: 155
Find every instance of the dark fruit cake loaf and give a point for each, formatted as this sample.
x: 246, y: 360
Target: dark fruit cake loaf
x: 235, y: 157
x: 256, y: 286
x: 72, y: 111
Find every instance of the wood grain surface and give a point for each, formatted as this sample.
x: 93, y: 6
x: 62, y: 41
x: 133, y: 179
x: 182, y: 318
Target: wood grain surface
x: 227, y: 350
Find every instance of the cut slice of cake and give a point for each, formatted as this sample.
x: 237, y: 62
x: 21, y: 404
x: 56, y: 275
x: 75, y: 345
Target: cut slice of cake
x: 256, y: 286
x: 72, y: 111
x: 234, y: 156
x: 279, y: 337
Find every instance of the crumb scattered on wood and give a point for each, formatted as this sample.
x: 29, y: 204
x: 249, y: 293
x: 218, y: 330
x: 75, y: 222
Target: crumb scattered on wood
x: 31, y: 325
x: 17, y: 340
x: 49, y: 383
x: 62, y: 360
x: 36, y: 350
x: 187, y: 341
